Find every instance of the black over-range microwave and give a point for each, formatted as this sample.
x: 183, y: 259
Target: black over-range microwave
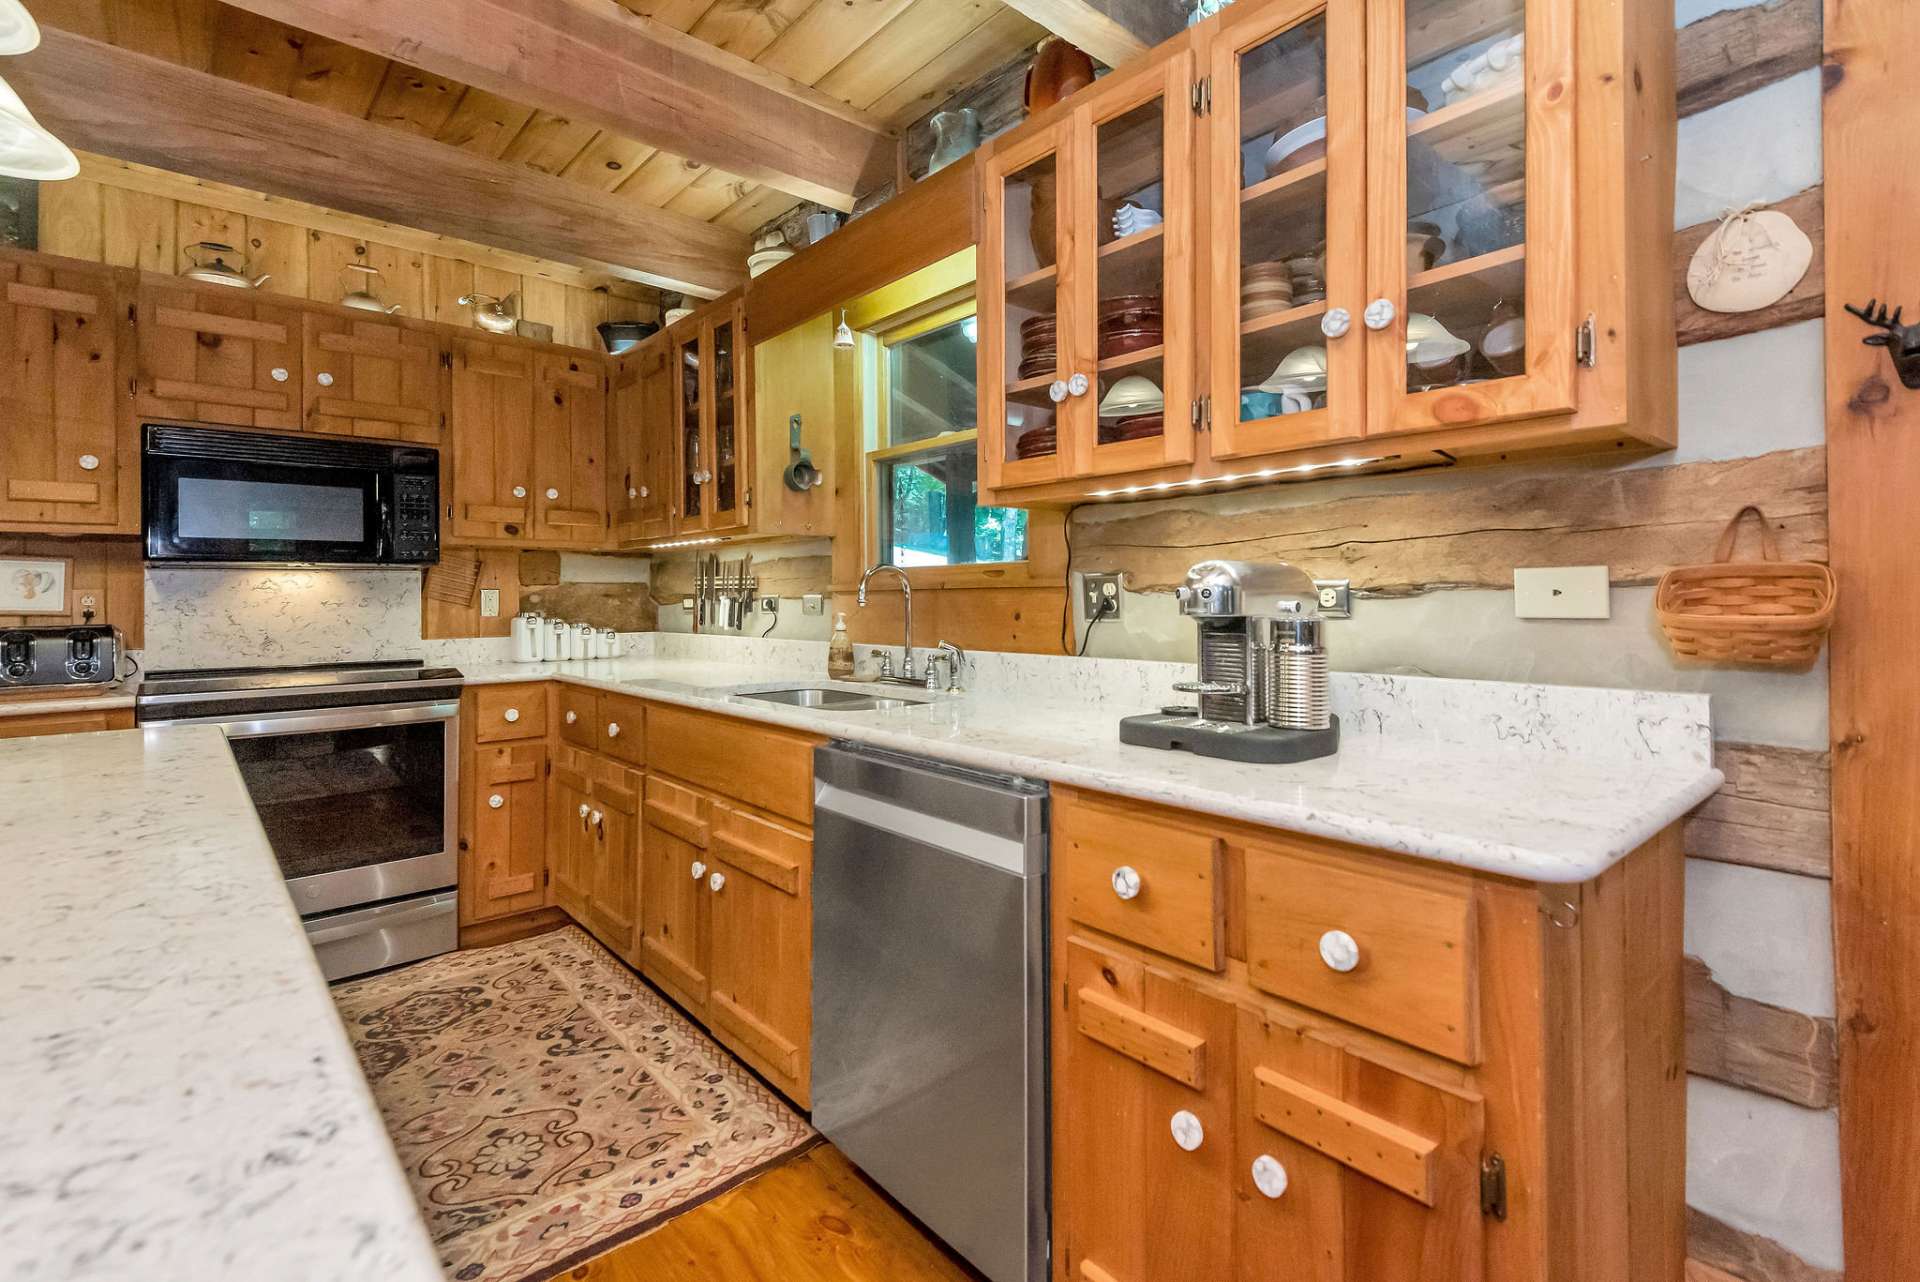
x: 221, y: 497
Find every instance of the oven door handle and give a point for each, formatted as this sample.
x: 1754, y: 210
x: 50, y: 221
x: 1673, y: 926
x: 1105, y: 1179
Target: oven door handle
x: 306, y: 722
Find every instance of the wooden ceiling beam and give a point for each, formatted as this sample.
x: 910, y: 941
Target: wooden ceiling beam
x: 136, y: 108
x: 1114, y: 31
x: 596, y: 62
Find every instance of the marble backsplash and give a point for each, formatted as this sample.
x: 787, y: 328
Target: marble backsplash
x: 213, y: 617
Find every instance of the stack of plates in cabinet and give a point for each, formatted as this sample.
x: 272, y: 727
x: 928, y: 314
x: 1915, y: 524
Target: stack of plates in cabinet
x: 1039, y: 345
x: 1134, y: 408
x: 1130, y: 323
x: 1265, y: 288
x: 1038, y: 443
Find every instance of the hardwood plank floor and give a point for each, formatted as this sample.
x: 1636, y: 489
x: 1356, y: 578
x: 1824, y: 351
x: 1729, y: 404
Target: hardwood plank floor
x: 813, y: 1218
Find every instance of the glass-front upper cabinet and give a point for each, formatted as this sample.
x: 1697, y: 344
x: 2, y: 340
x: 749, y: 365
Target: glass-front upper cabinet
x: 689, y: 358
x: 1474, y: 160
x: 1137, y: 265
x: 1033, y: 353
x: 712, y: 419
x: 726, y: 479
x: 1288, y: 262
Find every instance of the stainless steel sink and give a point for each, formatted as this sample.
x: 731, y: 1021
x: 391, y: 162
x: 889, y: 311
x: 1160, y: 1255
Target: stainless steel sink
x: 828, y: 699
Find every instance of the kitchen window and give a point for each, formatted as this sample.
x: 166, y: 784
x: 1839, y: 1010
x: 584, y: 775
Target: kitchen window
x: 925, y: 464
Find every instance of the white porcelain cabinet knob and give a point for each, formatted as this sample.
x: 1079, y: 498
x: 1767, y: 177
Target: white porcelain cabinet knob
x: 511, y: 715
x: 613, y: 729
x: 645, y: 493
x: 519, y: 491
x: 1057, y: 391
x: 323, y: 378
x: 1340, y: 951
x: 496, y: 801
x: 716, y: 881
x: 1187, y: 1131
x: 1078, y: 385
x: 552, y: 493
x: 584, y: 808
x: 632, y: 493
x: 1336, y: 322
x: 699, y: 870
x: 89, y: 462
x: 1269, y: 1176
x: 572, y: 717
x: 1380, y: 313
x: 279, y: 375
x: 1126, y: 882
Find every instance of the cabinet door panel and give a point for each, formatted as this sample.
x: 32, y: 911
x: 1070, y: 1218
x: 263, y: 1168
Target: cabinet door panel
x: 65, y: 439
x: 730, y: 425
x: 615, y: 853
x: 627, y: 488
x: 1133, y: 1205
x: 1288, y: 221
x: 1471, y: 211
x: 571, y: 832
x: 219, y: 358
x: 691, y: 446
x: 675, y: 908
x: 659, y: 513
x: 509, y: 831
x: 570, y: 435
x: 492, y: 440
x: 372, y: 378
x: 760, y: 990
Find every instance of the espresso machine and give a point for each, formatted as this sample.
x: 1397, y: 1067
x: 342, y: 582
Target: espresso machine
x: 1262, y: 692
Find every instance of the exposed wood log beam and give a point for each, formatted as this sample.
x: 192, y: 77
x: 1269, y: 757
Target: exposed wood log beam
x: 1733, y: 52
x: 1758, y: 1046
x: 1772, y: 812
x: 1748, y: 1257
x: 1113, y: 31
x: 132, y: 107
x: 594, y: 61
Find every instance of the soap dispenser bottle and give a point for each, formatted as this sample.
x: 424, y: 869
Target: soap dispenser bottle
x: 840, y: 650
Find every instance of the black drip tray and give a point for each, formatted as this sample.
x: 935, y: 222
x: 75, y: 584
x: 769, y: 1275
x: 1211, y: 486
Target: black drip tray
x: 1260, y: 745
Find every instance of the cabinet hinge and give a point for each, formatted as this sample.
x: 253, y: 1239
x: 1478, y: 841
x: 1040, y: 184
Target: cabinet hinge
x: 546, y: 876
x: 1585, y: 345
x: 549, y: 767
x: 446, y: 360
x: 1493, y: 1187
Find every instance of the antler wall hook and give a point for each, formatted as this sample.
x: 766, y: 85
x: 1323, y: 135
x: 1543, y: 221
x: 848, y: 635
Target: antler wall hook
x: 1901, y: 341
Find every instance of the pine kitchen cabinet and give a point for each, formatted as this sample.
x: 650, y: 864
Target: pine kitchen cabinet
x: 713, y: 416
x: 594, y: 844
x: 491, y: 465
x: 218, y: 355
x: 1268, y: 1046
x: 1393, y: 233
x: 373, y: 377
x: 69, y: 449
x: 503, y: 801
x: 640, y: 445
x: 569, y: 450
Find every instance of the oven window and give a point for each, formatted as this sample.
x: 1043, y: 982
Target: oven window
x: 343, y: 799
x: 215, y: 508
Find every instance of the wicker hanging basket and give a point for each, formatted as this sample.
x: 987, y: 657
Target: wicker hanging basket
x: 1769, y: 613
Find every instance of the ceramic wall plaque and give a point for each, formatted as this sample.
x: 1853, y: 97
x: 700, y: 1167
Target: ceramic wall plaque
x: 1752, y: 260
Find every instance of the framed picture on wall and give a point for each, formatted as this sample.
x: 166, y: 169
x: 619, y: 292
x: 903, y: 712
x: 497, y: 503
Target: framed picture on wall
x: 35, y: 585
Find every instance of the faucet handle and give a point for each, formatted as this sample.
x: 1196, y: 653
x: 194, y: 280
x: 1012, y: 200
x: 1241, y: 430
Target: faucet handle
x: 886, y: 661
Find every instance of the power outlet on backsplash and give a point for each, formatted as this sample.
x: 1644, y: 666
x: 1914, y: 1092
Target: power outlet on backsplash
x: 1100, y: 596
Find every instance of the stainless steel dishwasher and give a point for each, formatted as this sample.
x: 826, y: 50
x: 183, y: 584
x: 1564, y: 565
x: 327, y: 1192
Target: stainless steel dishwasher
x: 929, y: 995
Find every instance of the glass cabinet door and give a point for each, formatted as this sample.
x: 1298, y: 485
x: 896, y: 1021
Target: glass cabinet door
x: 726, y: 485
x: 1036, y: 356
x: 1473, y: 312
x: 1287, y: 178
x: 689, y: 360
x: 1135, y: 219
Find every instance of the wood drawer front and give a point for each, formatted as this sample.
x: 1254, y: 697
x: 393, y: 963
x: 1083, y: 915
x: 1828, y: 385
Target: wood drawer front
x: 1179, y: 905
x: 27, y: 725
x: 681, y: 811
x: 1414, y: 929
x: 579, y: 713
x: 622, y: 729
x: 756, y: 764
x: 781, y: 857
x: 509, y: 712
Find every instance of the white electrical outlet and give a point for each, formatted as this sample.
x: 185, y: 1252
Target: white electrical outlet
x: 1562, y: 592
x: 489, y: 603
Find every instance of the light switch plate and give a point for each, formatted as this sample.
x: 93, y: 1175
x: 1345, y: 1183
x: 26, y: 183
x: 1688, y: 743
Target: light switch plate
x: 1562, y: 592
x: 813, y: 603
x: 489, y: 603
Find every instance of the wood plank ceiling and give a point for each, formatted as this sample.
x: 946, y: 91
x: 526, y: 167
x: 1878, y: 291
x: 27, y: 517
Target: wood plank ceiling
x: 893, y: 59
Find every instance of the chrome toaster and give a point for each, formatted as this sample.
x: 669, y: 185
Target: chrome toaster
x: 1262, y: 688
x: 59, y: 656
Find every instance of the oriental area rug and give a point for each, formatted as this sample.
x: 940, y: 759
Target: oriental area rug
x: 547, y: 1104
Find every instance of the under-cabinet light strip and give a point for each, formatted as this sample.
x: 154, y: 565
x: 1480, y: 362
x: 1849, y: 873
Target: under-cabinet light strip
x: 1232, y: 478
x: 683, y: 543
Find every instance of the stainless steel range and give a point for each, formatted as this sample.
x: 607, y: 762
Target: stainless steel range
x: 354, y: 771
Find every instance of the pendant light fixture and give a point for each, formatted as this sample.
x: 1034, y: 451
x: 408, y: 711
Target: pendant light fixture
x: 843, y: 337
x: 27, y: 150
x: 19, y: 33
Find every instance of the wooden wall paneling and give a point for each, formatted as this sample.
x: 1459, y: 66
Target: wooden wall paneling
x: 1759, y: 1046
x: 1638, y: 522
x: 1872, y: 175
x: 499, y: 569
x: 1774, y: 810
x: 1114, y: 31
x: 108, y: 570
x: 544, y: 299
x: 70, y: 219
x: 585, y: 311
x: 1805, y: 301
x: 139, y: 230
x: 448, y: 280
x: 196, y: 223
x: 278, y: 250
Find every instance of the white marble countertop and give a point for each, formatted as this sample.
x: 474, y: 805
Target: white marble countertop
x: 118, y: 695
x: 179, y: 1098
x: 1522, y: 808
